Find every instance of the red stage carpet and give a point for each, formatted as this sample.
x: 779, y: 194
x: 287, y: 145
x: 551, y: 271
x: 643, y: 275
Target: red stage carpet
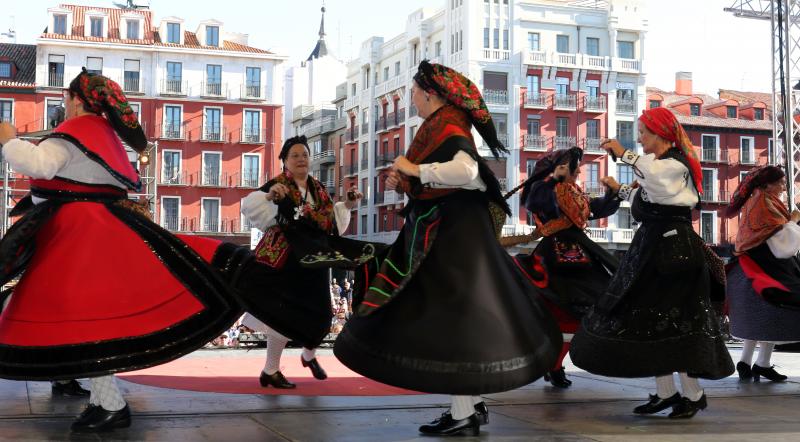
x: 240, y: 375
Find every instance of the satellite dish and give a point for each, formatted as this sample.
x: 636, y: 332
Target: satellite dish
x: 134, y: 4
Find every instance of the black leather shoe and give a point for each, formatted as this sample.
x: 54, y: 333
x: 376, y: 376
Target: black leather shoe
x: 481, y: 411
x: 316, y: 369
x: 72, y: 388
x: 656, y: 404
x: 101, y: 420
x: 558, y: 378
x: 87, y: 413
x: 277, y: 380
x: 768, y: 373
x: 686, y: 409
x: 745, y: 372
x: 447, y: 426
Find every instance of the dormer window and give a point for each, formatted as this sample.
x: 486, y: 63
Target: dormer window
x: 731, y: 111
x: 212, y: 35
x: 759, y: 114
x: 174, y: 33
x: 133, y: 29
x: 96, y: 26
x: 60, y: 24
x: 694, y: 110
x: 5, y: 69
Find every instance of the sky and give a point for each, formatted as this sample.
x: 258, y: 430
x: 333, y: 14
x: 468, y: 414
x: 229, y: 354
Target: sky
x: 721, y: 51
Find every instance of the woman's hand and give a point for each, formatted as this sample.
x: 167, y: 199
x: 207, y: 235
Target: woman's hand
x: 392, y: 181
x: 353, y: 196
x: 613, y: 146
x: 406, y: 167
x: 795, y: 217
x: 7, y: 132
x: 277, y: 192
x: 611, y: 183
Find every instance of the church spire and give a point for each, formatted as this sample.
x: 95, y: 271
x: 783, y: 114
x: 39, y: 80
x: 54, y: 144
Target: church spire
x: 321, y: 49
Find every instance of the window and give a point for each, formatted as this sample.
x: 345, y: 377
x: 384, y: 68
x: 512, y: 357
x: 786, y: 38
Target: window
x: 530, y: 165
x: 211, y: 168
x: 136, y: 108
x: 170, y: 212
x: 624, y: 174
x: 396, y: 68
x: 746, y: 154
x: 708, y: 184
x: 731, y: 111
x: 758, y: 114
x: 174, y: 77
x: 96, y: 26
x: 624, y: 219
x: 593, y: 46
x: 694, y: 110
x: 212, y: 126
x: 437, y: 51
x: 133, y: 29
x: 654, y: 104
x: 505, y: 39
x: 174, y: 33
x: 173, y: 120
x: 710, y: 143
x: 592, y: 129
x: 533, y: 84
x: 742, y: 176
x: 366, y: 77
x: 562, y: 85
x: 625, y: 134
x: 55, y: 71
x: 171, y: 169
x: 353, y: 90
x: 363, y: 222
x: 626, y: 101
x: 592, y: 175
x: 210, y: 209
x: 6, y: 111
x: 214, y: 80
x: 534, y: 126
x: 131, y: 76
x: 252, y: 126
x: 707, y: 227
x: 5, y: 69
x: 94, y: 65
x: 496, y: 38
x: 60, y: 24
x: 375, y: 223
x: 562, y: 127
x: 562, y: 44
x: 253, y: 82
x: 55, y: 112
x: 625, y: 49
x: 250, y: 168
x: 212, y: 35
x: 386, y: 73
x: 533, y: 41
x: 593, y: 88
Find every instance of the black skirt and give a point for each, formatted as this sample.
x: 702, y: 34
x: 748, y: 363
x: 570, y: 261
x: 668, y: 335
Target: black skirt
x: 464, y: 321
x: 656, y: 317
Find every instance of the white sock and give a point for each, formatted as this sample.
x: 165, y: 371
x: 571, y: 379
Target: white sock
x: 748, y: 347
x: 105, y: 393
x: 276, y: 342
x: 765, y: 354
x: 665, y: 386
x: 461, y: 407
x: 309, y: 354
x: 691, y: 387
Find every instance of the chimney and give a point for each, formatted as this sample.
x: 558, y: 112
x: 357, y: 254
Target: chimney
x: 683, y: 83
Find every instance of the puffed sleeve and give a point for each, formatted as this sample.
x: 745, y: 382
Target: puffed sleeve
x: 459, y: 171
x: 785, y: 243
x: 42, y: 161
x: 342, y: 215
x: 260, y: 212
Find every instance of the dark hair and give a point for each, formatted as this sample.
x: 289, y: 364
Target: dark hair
x: 291, y: 142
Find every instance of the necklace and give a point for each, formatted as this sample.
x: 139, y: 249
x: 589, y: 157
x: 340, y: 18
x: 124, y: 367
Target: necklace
x: 298, y: 211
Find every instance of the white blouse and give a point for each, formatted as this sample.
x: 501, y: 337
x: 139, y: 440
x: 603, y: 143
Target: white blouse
x: 460, y: 172
x: 785, y: 243
x: 55, y: 157
x: 262, y: 213
x: 666, y: 181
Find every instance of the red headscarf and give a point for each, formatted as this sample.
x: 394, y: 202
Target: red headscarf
x: 662, y: 122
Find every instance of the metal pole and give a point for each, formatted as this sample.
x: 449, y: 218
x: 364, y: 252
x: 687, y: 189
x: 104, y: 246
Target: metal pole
x: 5, y: 198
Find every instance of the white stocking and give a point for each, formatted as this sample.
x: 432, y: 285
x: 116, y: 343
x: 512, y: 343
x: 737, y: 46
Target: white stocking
x: 462, y: 407
x: 748, y: 347
x: 665, y: 386
x: 105, y: 393
x: 691, y: 387
x: 765, y: 354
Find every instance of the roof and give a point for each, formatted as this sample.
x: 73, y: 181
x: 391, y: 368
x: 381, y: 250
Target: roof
x: 24, y: 57
x: 709, y: 119
x: 150, y: 35
x: 747, y: 97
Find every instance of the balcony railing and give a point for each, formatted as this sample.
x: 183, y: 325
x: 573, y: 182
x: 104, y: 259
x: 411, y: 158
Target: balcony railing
x: 253, y: 92
x: 496, y: 54
x: 132, y: 85
x: 364, y: 164
x: 568, y: 102
x: 380, y: 125
x: 352, y: 134
x: 211, y: 178
x: 401, y: 116
x: 175, y: 178
x: 535, y: 142
x: 391, y: 120
x: 171, y: 222
x: 716, y: 197
x: 252, y: 135
x: 351, y: 169
x: 563, y: 142
x: 55, y: 80
x: 626, y: 106
x: 249, y: 179
x: 386, y: 160
x: 213, y: 133
x: 594, y: 104
x: 210, y: 225
x: 492, y: 96
x: 594, y: 189
x: 536, y: 57
x: 326, y: 156
x: 714, y: 156
x: 536, y: 100
x: 747, y: 160
x: 172, y: 131
x: 592, y: 145
x: 174, y: 87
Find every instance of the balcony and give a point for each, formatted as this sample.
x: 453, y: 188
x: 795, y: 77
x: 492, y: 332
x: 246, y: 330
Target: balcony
x: 496, y: 54
x: 536, y: 58
x: 592, y: 146
x: 172, y: 223
x: 252, y: 135
x: 132, y: 84
x: 377, y: 198
x: 563, y: 142
x: 597, y: 234
x: 748, y: 159
x: 565, y: 60
x: 175, y: 88
x: 391, y: 120
x: 626, y: 106
x: 212, y: 178
x: 535, y: 100
x: 214, y: 90
x: 364, y: 164
x: 714, y: 197
x: 324, y: 157
x: 351, y: 169
x: 351, y: 102
x: 594, y: 190
x: 380, y: 125
x: 594, y: 104
x: 626, y: 65
x: 316, y: 127
x: 595, y: 62
x: 175, y: 177
x: 215, y: 134
x: 352, y: 134
x: 173, y: 131
x: 55, y: 79
x: 566, y: 102
x: 252, y: 93
x: 535, y: 143
x: 401, y: 116
x: 714, y: 156
x: 386, y: 160
x: 210, y: 226
x: 497, y: 97
x: 249, y: 179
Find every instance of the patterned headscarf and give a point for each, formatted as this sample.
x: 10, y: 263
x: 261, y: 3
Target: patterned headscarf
x: 662, y: 122
x: 756, y: 178
x: 548, y: 163
x: 459, y: 91
x: 100, y: 95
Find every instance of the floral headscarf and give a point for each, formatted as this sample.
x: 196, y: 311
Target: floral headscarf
x: 101, y: 95
x: 459, y: 91
x: 662, y: 122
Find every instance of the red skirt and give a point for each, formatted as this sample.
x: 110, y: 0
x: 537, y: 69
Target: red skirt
x: 107, y: 290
